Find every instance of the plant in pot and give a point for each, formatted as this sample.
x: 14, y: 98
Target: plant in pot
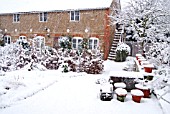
x: 122, y: 51
x: 121, y: 94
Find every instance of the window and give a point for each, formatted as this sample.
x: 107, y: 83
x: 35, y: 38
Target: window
x: 39, y: 42
x: 16, y: 17
x: 74, y: 15
x: 77, y: 42
x: 43, y: 17
x: 93, y: 43
x: 7, y: 39
x: 22, y: 39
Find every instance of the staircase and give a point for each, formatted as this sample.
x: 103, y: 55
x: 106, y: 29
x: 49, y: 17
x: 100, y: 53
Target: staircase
x: 116, y: 40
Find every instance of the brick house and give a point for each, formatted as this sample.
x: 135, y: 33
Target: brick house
x: 92, y: 23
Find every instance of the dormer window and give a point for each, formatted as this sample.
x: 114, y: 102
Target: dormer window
x: 74, y: 15
x: 43, y: 17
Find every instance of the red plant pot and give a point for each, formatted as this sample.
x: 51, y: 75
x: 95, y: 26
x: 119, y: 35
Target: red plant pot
x: 146, y: 93
x: 137, y: 95
x: 148, y: 69
x: 144, y: 89
x: 136, y: 98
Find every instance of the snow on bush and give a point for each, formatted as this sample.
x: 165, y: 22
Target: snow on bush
x: 16, y: 56
x: 159, y: 54
x: 122, y: 51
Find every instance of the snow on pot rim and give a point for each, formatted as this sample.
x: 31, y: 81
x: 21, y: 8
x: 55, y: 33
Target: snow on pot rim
x: 148, y: 66
x: 141, y: 86
x: 142, y: 59
x: 145, y: 62
x: 121, y: 91
x: 120, y: 85
x: 137, y: 92
x: 139, y: 55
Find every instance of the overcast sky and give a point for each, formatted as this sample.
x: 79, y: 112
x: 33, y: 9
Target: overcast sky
x: 8, y: 6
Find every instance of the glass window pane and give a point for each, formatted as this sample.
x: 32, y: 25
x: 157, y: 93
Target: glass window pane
x: 74, y: 40
x: 76, y: 12
x: 95, y: 42
x: 41, y: 19
x: 72, y: 15
x: 76, y: 18
x: 45, y: 16
x: 79, y: 40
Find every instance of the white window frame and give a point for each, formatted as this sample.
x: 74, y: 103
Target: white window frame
x: 43, y: 17
x: 7, y: 39
x: 78, y: 43
x: 16, y: 18
x: 93, y: 45
x: 22, y: 39
x: 39, y: 42
x: 74, y: 14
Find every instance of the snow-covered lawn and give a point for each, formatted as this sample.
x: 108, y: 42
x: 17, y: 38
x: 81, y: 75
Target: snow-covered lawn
x: 53, y: 92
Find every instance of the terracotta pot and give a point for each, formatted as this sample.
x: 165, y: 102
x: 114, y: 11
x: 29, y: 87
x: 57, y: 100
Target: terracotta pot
x: 148, y: 69
x: 137, y: 95
x: 144, y: 89
x: 146, y: 93
x: 136, y: 98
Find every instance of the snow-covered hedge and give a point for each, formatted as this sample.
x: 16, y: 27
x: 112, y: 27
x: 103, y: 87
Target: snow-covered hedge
x: 15, y: 57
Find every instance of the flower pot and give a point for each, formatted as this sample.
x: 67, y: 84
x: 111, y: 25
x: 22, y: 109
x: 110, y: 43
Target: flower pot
x: 137, y: 95
x: 121, y: 94
x: 121, y: 98
x: 148, y: 68
x: 149, y: 77
x: 136, y: 98
x: 146, y: 93
x: 144, y: 89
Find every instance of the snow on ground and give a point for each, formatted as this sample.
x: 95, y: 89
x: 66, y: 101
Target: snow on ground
x: 53, y: 92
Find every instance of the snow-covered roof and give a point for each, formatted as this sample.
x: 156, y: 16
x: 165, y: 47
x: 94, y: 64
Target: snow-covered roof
x: 13, y: 6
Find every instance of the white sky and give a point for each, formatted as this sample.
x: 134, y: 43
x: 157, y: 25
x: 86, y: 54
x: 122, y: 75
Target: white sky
x: 8, y: 6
